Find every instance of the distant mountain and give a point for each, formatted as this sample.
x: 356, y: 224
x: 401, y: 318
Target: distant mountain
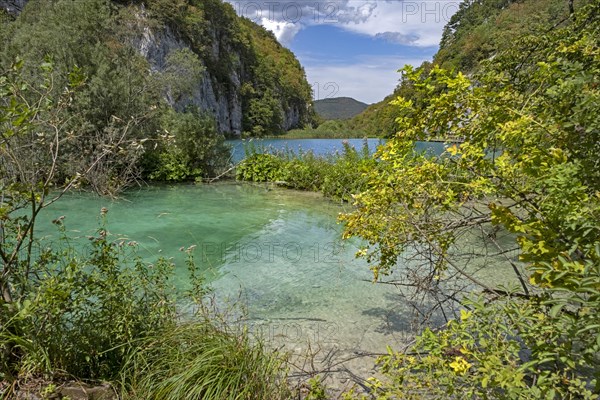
x: 339, y: 107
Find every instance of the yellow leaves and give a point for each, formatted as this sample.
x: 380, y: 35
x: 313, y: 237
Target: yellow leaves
x: 460, y: 365
x: 465, y: 315
x: 375, y: 270
x: 558, y: 155
x: 361, y: 253
x: 481, y: 185
x: 452, y: 150
x: 503, y: 216
x: 402, y: 102
x: 540, y: 316
x: 459, y: 82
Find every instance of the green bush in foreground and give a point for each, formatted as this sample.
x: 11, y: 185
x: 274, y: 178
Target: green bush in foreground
x: 528, y: 166
x: 84, y: 312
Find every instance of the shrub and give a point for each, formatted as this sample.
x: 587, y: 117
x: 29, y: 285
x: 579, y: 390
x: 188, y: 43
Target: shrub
x: 191, y: 148
x: 83, y: 313
x: 338, y: 176
x: 260, y: 168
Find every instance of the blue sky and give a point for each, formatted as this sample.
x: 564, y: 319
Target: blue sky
x: 353, y: 47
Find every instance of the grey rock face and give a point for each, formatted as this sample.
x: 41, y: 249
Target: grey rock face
x: 209, y: 96
x: 223, y: 101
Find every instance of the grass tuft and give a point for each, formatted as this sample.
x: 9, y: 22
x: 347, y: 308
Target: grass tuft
x: 199, y: 360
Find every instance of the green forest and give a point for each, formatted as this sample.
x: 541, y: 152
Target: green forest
x: 514, y: 89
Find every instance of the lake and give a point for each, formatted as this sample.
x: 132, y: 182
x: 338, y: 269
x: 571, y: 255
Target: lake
x: 320, y: 147
x: 277, y: 252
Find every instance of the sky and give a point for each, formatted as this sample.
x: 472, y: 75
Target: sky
x: 353, y: 48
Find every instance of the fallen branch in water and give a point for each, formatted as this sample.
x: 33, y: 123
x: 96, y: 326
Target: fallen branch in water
x: 211, y: 180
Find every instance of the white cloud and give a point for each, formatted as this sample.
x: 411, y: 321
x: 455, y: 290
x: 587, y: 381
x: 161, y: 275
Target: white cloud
x: 419, y: 21
x: 397, y: 37
x: 283, y: 31
x: 368, y: 81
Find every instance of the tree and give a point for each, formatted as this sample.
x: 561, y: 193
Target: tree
x: 526, y: 171
x: 190, y: 148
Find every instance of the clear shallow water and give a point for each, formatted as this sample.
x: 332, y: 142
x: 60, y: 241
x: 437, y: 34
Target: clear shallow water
x: 277, y: 252
x: 320, y: 147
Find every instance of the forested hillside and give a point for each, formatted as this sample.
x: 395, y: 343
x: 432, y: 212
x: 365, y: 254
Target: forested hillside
x: 161, y: 80
x: 232, y: 54
x: 339, y: 108
x: 479, y: 30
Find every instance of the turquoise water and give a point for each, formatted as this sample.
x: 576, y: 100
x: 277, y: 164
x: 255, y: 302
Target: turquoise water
x: 319, y: 147
x: 276, y: 252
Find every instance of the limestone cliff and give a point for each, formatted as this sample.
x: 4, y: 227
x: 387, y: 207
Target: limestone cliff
x: 250, y: 83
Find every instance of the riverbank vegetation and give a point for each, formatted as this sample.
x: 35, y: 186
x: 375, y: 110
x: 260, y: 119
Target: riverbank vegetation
x: 337, y: 176
x: 332, y: 129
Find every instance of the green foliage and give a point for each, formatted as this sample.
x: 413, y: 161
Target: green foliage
x: 480, y: 29
x: 63, y: 312
x: 529, y: 120
x: 317, y: 390
x: 75, y: 318
x: 260, y: 168
x: 508, y: 349
x: 377, y: 119
x: 277, y: 83
x: 202, y: 361
x: 191, y: 148
x: 338, y: 176
x: 347, y: 174
x: 264, y: 115
x: 329, y: 129
x: 182, y: 71
x: 118, y: 104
